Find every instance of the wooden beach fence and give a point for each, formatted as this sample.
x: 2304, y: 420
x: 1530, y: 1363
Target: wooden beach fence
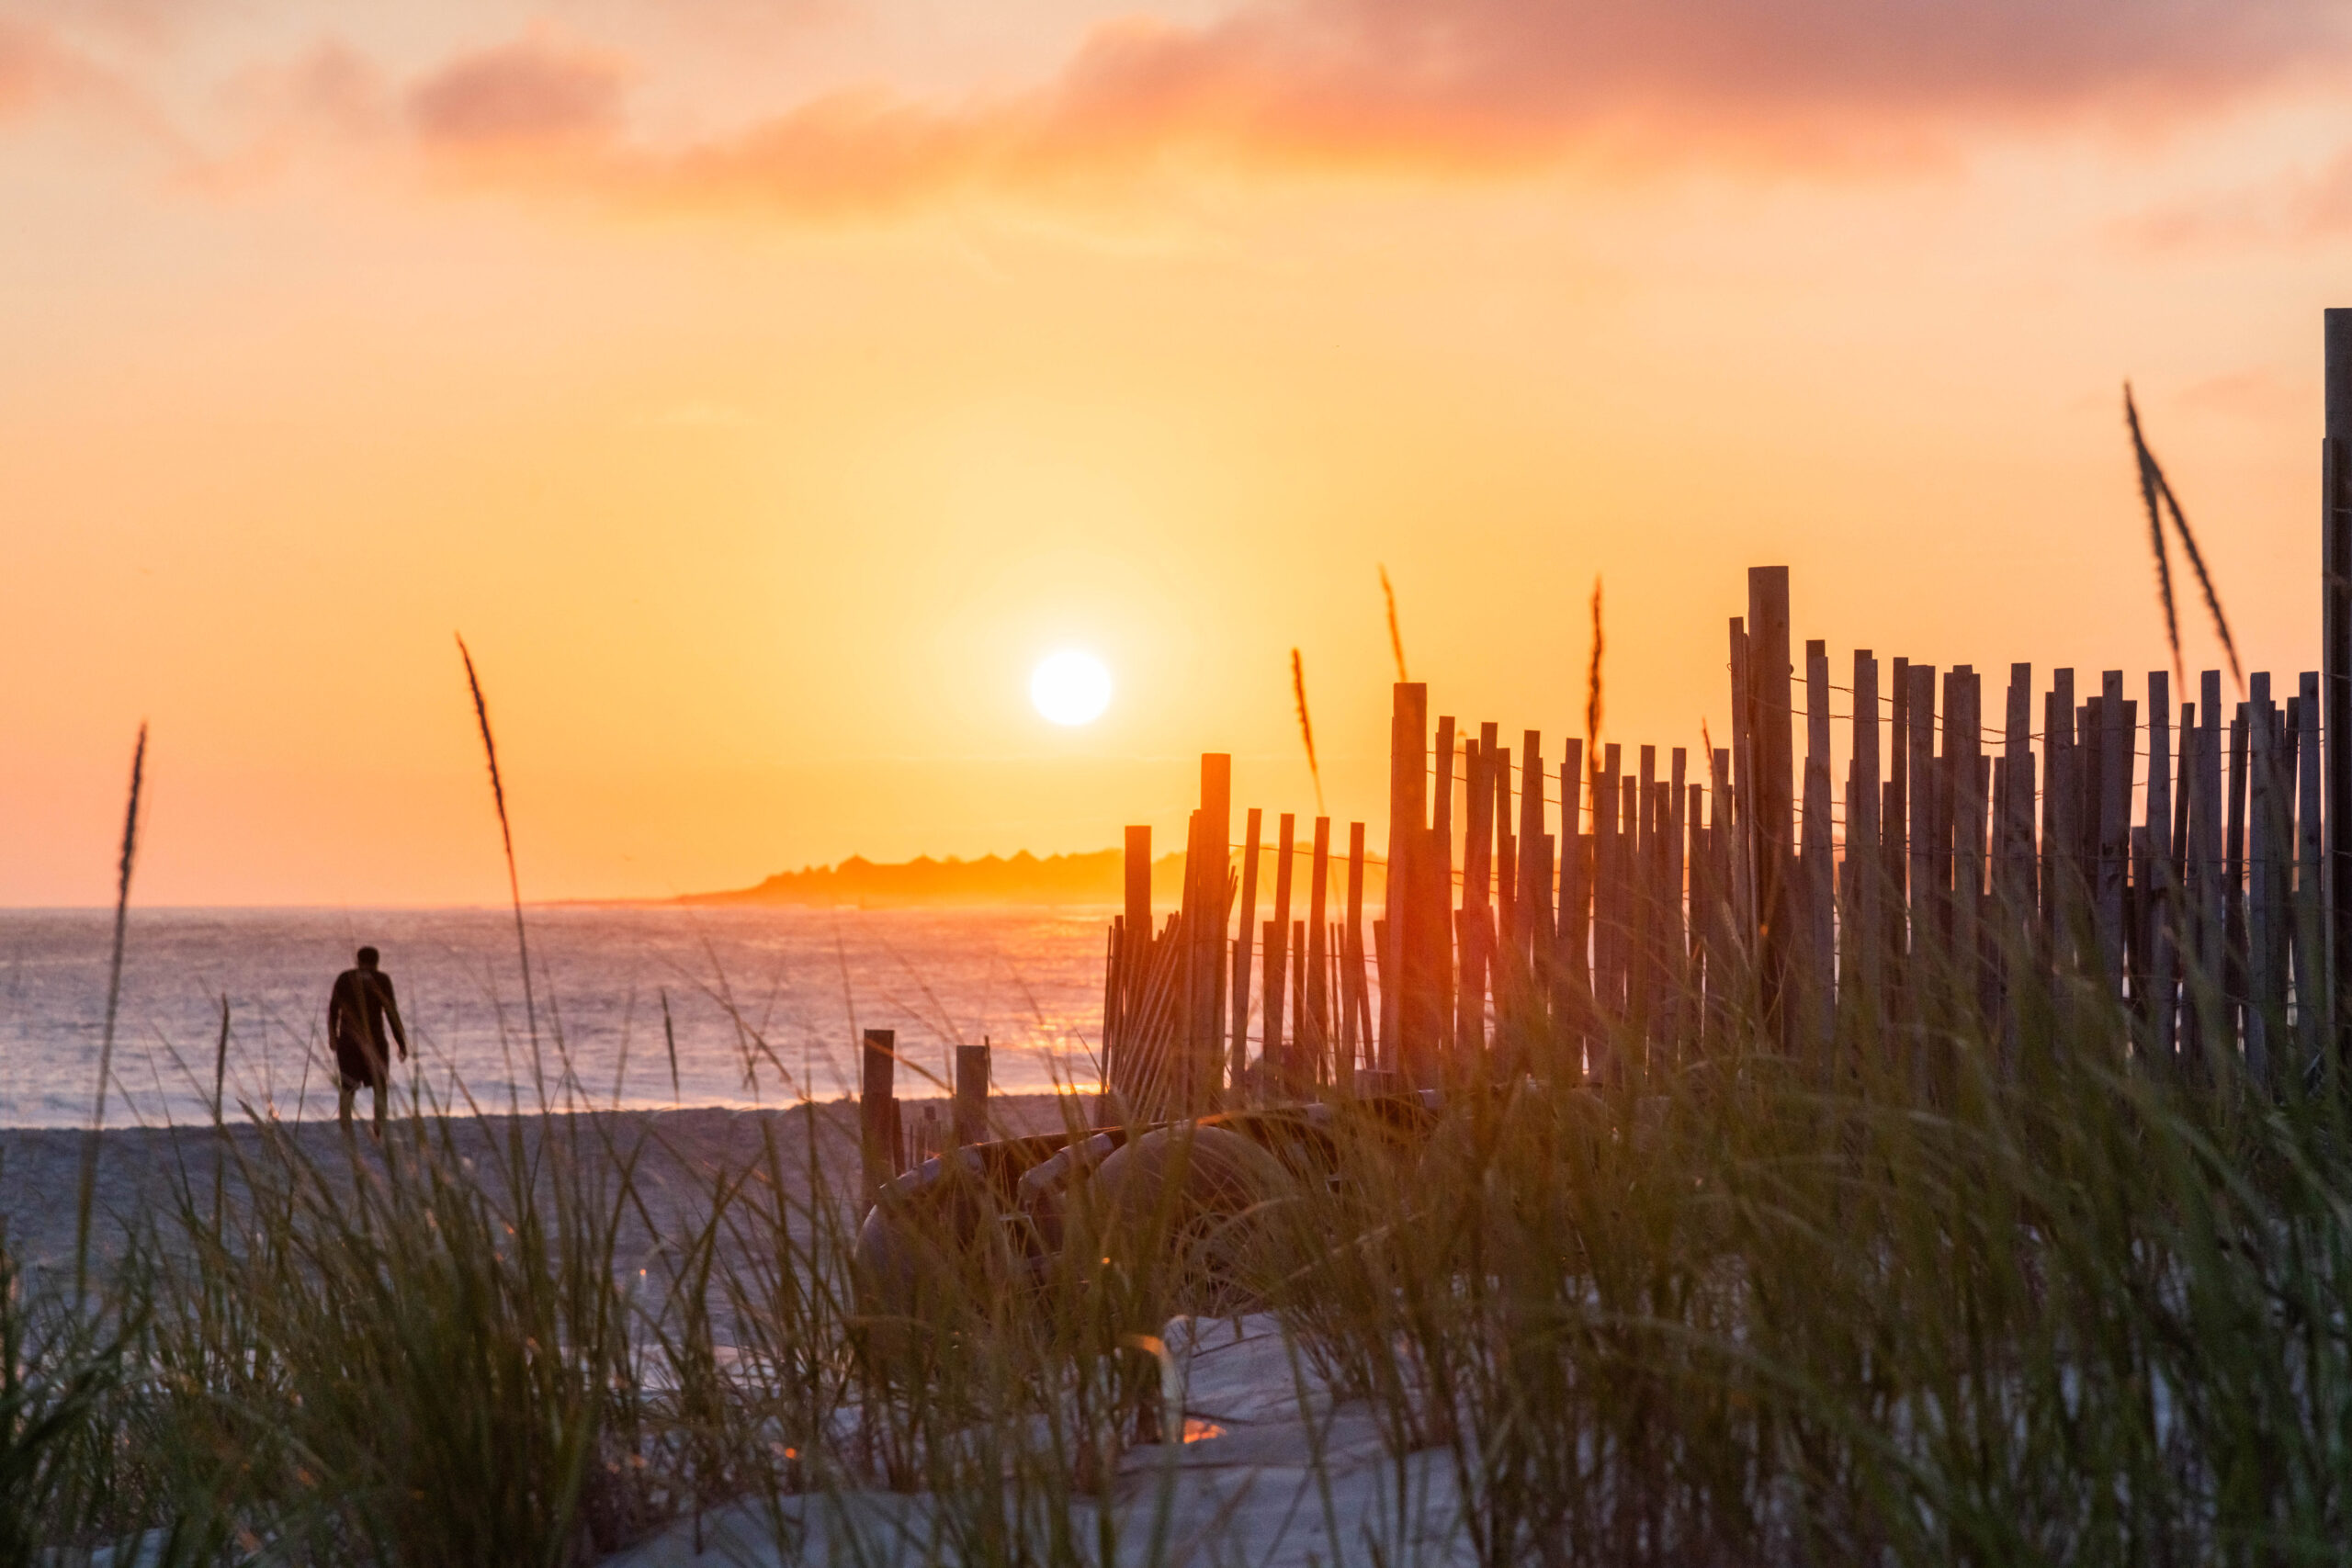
x: 2185, y: 858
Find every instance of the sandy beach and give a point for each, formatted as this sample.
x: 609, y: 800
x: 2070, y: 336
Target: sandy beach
x: 675, y: 1160
x: 1272, y: 1459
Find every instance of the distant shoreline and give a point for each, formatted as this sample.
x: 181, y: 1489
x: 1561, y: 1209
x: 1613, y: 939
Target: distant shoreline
x: 1095, y: 880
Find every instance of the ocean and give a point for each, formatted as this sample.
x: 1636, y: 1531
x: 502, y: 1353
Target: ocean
x: 765, y: 1005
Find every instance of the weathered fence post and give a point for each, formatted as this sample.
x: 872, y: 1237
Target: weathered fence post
x: 2160, y: 899
x: 1273, y: 1052
x: 1408, y: 816
x: 2335, y: 640
x: 1772, y: 742
x: 1134, y: 963
x: 1572, y: 974
x: 2233, y: 881
x: 2114, y: 802
x: 1862, y: 983
x: 971, y: 1094
x: 1244, y: 943
x: 1204, y: 1030
x: 2262, y: 1043
x: 1315, y: 1027
x: 1923, y: 965
x: 877, y: 1111
x: 1435, y: 912
x: 1820, y: 884
x: 1477, y: 877
x: 2214, y: 1018
x: 1356, y: 1035
x: 2311, y: 1002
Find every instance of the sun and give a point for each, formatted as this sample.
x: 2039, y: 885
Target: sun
x: 1071, y: 687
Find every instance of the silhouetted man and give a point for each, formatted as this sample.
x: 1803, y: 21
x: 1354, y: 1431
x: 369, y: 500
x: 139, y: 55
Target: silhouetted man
x: 357, y: 1011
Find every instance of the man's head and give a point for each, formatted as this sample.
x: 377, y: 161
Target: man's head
x: 368, y: 957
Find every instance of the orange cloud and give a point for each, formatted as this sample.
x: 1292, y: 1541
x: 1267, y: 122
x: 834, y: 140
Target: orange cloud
x: 37, y: 70
x: 2304, y: 207
x: 1402, y: 86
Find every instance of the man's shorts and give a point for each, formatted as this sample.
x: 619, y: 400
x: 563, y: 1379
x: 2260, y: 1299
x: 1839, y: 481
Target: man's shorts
x: 359, y: 1066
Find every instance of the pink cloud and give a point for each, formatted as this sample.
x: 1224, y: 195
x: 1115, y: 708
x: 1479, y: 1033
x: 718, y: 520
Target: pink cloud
x: 537, y: 89
x: 1372, y: 88
x: 1388, y: 86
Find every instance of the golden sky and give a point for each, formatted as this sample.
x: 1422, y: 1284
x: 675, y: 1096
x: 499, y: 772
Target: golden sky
x: 763, y: 389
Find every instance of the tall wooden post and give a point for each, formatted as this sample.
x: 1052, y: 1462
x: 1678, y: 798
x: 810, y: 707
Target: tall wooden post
x: 1820, y: 887
x: 1772, y: 744
x: 1315, y: 1027
x: 1964, y: 743
x: 1435, y: 916
x: 2116, y: 743
x: 2209, y: 865
x: 1244, y: 941
x: 2336, y: 638
x: 2061, y: 816
x: 1863, y: 881
x: 1571, y: 988
x: 2160, y: 899
x: 971, y: 1094
x: 2261, y: 864
x: 1138, y: 873
x: 2234, y: 982
x: 878, y: 1110
x: 1408, y: 815
x: 2312, y: 1002
x: 2016, y: 892
x: 1608, y: 915
x: 1534, y: 936
x: 1273, y: 1052
x: 1641, y: 895
x: 1204, y: 1059
x: 1673, y: 884
x: 1355, y: 1036
x: 1919, y: 714
x: 1478, y: 898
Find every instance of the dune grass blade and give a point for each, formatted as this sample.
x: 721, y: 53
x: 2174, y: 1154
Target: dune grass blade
x: 506, y: 838
x: 1592, y: 690
x: 2155, y: 488
x: 2149, y: 497
x: 1305, y: 725
x: 670, y: 1039
x: 105, y: 1040
x: 1396, y: 635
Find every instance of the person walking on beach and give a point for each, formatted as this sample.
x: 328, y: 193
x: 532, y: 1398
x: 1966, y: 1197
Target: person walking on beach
x: 357, y: 1011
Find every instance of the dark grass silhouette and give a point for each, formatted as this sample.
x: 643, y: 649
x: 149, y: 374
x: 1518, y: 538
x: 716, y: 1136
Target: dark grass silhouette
x: 2156, y: 494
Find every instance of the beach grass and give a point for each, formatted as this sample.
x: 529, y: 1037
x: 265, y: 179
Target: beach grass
x: 2039, y: 1304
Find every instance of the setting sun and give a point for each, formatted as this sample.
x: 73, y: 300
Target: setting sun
x: 1071, y: 687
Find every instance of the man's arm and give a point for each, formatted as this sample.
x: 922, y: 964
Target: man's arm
x: 392, y: 1014
x: 338, y: 1009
